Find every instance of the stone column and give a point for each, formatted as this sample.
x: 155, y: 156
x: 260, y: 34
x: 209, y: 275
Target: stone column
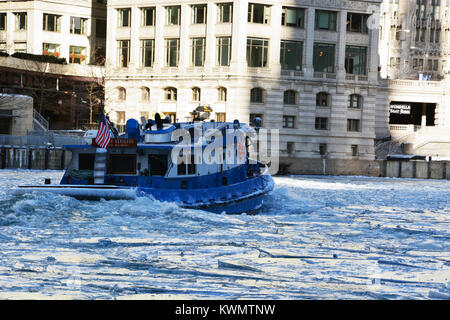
x: 341, y: 45
x: 185, y: 41
x: 423, y: 122
x: 134, y: 39
x: 159, y: 38
x: 210, y: 46
x: 308, y: 67
x: 238, y: 63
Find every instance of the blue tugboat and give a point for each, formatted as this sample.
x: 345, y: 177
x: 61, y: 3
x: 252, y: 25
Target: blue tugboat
x: 198, y: 164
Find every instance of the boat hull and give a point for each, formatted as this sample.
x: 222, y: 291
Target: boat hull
x: 246, y: 196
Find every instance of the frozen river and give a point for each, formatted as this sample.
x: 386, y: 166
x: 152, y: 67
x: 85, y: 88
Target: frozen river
x: 315, y: 238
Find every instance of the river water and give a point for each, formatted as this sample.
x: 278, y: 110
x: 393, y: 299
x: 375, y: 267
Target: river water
x: 315, y: 238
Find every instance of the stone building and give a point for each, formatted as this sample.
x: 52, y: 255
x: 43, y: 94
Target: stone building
x: 74, y: 30
x: 309, y: 68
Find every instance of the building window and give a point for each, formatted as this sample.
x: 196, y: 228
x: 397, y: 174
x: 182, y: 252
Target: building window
x: 147, y: 52
x: 223, y: 51
x: 355, y: 59
x: 100, y: 28
x: 199, y: 14
x: 290, y: 147
x: 323, y: 99
x: 144, y: 115
x: 51, y: 49
x: 148, y: 16
x: 253, y: 116
x: 172, y: 116
x: 325, y: 20
x: 257, y: 95
x: 77, y: 54
x: 20, y: 21
x: 3, y: 21
x: 323, y: 59
x: 197, y: 52
x: 78, y: 25
x: 124, y: 16
x: 120, y: 117
x: 196, y: 94
x: 123, y: 53
x: 354, y: 149
x: 288, y: 122
x: 20, y: 46
x: 258, y: 13
x: 3, y: 47
x: 220, y: 117
x: 145, y: 94
x: 394, y: 62
x: 170, y: 94
x: 52, y: 22
x: 173, y: 15
x: 353, y: 125
x: 293, y: 17
x: 225, y: 12
x: 121, y: 94
x: 222, y: 94
x: 257, y: 52
x: 291, y: 53
x: 357, y: 22
x: 321, y: 123
x: 290, y: 97
x: 354, y: 101
x: 323, y: 149
x: 172, y: 52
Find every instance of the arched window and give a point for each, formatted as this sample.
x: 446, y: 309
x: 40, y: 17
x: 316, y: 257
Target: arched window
x: 170, y: 94
x: 323, y: 99
x: 196, y: 94
x: 222, y: 94
x: 121, y: 94
x: 145, y: 94
x: 354, y: 101
x: 257, y: 95
x: 290, y: 97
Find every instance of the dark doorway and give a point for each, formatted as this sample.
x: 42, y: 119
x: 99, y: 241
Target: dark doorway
x: 158, y: 164
x: 5, y: 125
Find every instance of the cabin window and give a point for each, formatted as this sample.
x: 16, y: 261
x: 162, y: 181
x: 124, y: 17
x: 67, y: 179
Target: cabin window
x: 86, y: 161
x: 122, y: 164
x: 191, y: 168
x: 158, y: 164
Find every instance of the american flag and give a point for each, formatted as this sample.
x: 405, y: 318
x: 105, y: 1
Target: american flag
x: 103, y: 134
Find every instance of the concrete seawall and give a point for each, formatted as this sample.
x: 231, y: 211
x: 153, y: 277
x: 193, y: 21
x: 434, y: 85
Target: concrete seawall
x: 34, y: 158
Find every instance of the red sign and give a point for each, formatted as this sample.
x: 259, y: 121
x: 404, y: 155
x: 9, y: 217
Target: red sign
x: 119, y: 143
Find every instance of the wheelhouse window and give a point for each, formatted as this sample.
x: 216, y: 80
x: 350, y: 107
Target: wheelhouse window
x: 187, y: 169
x: 257, y: 95
x: 147, y: 53
x: 51, y: 49
x: 172, y: 52
x: 291, y: 54
x: 325, y: 20
x: 198, y: 52
x: 86, y: 161
x: 3, y: 21
x: 323, y: 99
x: 354, y: 101
x: 173, y: 15
x: 148, y: 16
x: 123, y: 53
x: 78, y: 25
x: 20, y: 21
x: 321, y: 123
x: 355, y: 59
x: 289, y: 122
x: 258, y: 13
x: 124, y: 16
x: 158, y: 164
x: 353, y: 125
x: 77, y: 55
x: 225, y: 12
x: 290, y: 97
x: 223, y: 51
x: 199, y: 14
x: 293, y: 17
x: 257, y: 52
x: 122, y: 164
x: 323, y: 59
x: 170, y: 94
x: 357, y: 22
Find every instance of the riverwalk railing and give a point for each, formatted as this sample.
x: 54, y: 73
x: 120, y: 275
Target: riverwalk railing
x: 44, y: 140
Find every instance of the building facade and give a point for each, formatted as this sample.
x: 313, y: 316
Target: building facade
x: 74, y: 30
x: 308, y: 68
x: 414, y: 59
